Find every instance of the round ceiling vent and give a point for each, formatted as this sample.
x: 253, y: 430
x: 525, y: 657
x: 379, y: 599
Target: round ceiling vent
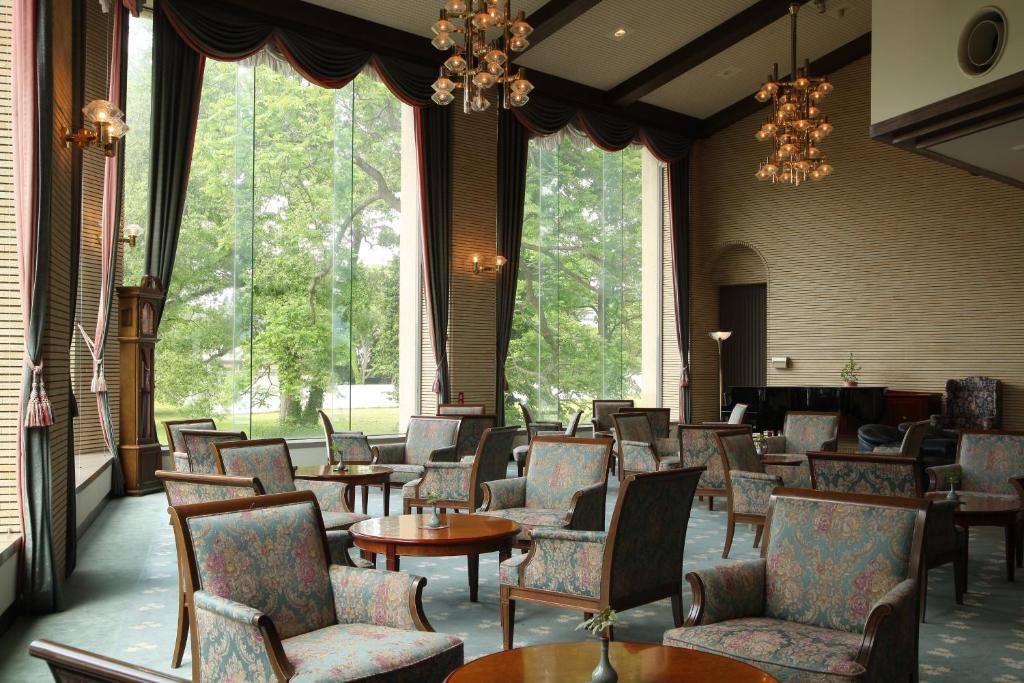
x: 982, y: 41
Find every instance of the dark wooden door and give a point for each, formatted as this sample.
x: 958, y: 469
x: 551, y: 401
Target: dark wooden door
x: 744, y: 310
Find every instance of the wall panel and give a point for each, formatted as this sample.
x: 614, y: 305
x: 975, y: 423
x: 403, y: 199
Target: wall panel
x: 912, y: 265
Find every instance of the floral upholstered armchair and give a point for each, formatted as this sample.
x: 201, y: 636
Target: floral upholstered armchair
x: 459, y: 485
x: 72, y: 665
x: 888, y: 475
x: 198, y: 455
x: 748, y: 486
x: 638, y: 561
x: 986, y: 462
x: 698, y: 448
x: 833, y: 598
x: 427, y: 439
x: 270, y: 461
x: 564, y: 487
x: 803, y: 431
x: 471, y: 432
x: 344, y: 446
x: 267, y: 605
x: 176, y: 445
x: 640, y: 450
x: 972, y: 403
x: 533, y: 429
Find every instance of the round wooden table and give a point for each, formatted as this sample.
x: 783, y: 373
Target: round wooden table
x: 468, y: 535
x: 979, y: 509
x: 634, y: 662
x: 364, y: 475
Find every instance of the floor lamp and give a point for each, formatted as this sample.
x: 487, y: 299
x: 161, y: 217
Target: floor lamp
x: 720, y: 336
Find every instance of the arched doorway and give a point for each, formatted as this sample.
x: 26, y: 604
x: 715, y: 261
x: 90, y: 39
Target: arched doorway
x: 741, y: 277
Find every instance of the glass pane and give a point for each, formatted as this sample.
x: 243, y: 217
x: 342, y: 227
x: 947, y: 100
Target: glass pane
x: 136, y: 142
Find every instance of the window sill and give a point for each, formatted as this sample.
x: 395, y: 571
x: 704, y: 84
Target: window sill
x: 9, y: 546
x: 88, y: 466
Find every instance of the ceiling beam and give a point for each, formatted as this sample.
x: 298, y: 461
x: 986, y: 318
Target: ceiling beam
x: 554, y: 15
x: 382, y: 39
x: 833, y: 61
x: 720, y: 38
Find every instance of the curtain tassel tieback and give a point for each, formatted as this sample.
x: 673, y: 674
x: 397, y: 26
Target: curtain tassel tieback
x: 684, y: 377
x: 38, y: 413
x: 98, y: 385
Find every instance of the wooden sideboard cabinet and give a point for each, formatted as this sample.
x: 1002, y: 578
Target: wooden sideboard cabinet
x: 910, y: 406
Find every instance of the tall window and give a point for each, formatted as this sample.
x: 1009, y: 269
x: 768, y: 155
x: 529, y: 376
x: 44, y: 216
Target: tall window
x: 285, y: 293
x: 576, y: 331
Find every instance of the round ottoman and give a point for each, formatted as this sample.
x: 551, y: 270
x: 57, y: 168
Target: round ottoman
x: 871, y: 436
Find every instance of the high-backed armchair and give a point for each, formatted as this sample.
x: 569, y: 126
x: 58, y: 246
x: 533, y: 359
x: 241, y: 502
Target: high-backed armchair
x: 72, y: 665
x: 471, y: 432
x: 564, y: 487
x: 986, y: 461
x: 803, y: 431
x: 660, y: 419
x: 972, y: 403
x: 427, y: 439
x: 198, y: 454
x: 698, y: 448
x: 459, y: 485
x: 347, y: 446
x: 176, y: 445
x: 602, y: 410
x: 736, y: 415
x: 461, y: 409
x: 748, y: 486
x: 270, y: 461
x: 640, y: 449
x: 833, y: 597
x: 638, y: 561
x: 888, y: 475
x: 268, y: 605
x: 519, y: 453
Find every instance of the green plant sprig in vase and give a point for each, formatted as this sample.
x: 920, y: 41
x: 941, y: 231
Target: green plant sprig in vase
x: 599, y: 625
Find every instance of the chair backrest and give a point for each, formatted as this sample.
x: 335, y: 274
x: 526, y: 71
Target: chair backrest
x: 739, y: 411
x: 186, y: 488
x: 269, y: 553
x: 660, y: 419
x: 831, y: 556
x: 461, y: 409
x: 603, y: 409
x: 199, y: 447
x: 557, y: 467
x: 573, y: 424
x: 974, y: 402
x: 809, y: 431
x: 527, y: 417
x: 647, y: 533
x: 737, y: 451
x: 471, y: 431
x: 491, y: 461
x: 72, y: 665
x: 914, y: 437
x: 875, y: 475
x: 698, y: 448
x: 426, y: 434
x: 174, y: 427
x: 988, y: 460
x: 633, y: 427
x: 265, y: 459
x: 349, y: 447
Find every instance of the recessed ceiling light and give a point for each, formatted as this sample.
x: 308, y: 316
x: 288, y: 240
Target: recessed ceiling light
x: 619, y: 33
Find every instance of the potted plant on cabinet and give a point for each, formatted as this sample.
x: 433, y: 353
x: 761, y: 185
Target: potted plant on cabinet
x: 850, y: 372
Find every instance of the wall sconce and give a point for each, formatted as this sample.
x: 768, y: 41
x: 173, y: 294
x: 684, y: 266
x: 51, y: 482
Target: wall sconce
x: 131, y: 235
x: 499, y: 261
x: 108, y: 127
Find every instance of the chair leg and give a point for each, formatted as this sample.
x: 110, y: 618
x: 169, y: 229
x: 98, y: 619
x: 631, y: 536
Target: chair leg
x: 711, y: 503
x: 730, y: 529
x: 519, y: 466
x: 182, y: 632
x: 405, y: 507
x: 677, y: 609
x: 366, y: 498
x: 923, y: 601
x: 960, y: 576
x: 508, y: 618
x: 700, y: 498
x: 757, y: 535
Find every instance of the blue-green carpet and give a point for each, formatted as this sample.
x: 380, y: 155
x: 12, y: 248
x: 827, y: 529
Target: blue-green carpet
x: 121, y: 601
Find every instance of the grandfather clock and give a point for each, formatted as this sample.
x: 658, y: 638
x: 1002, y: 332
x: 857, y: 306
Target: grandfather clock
x: 140, y: 449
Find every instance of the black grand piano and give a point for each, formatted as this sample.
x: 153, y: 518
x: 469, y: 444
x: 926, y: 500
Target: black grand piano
x: 862, y: 404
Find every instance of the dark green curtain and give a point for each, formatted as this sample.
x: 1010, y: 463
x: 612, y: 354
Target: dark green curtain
x: 513, y: 148
x: 679, y: 209
x: 40, y: 590
x: 177, y: 85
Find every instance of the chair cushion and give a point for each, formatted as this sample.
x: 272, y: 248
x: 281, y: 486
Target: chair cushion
x: 341, y: 520
x: 267, y: 461
x: 364, y: 652
x: 508, y: 571
x: 529, y: 518
x: 558, y: 469
x: 402, y: 474
x: 783, y: 648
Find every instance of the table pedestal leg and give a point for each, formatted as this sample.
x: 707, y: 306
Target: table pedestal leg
x: 474, y: 576
x: 386, y: 490
x: 1011, y: 550
x: 393, y: 561
x: 366, y: 497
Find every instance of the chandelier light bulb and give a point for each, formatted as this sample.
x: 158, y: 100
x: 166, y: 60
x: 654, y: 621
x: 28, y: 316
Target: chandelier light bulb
x: 801, y: 83
x: 480, y: 103
x: 494, y: 57
x: 443, y: 84
x: 442, y: 97
x: 520, y: 28
x: 518, y: 43
x: 825, y: 88
x: 762, y: 95
x: 483, y: 80
x: 482, y: 20
x: 825, y: 168
x: 522, y: 86
x: 456, y: 6
x: 813, y: 152
x: 762, y: 135
x: 762, y: 174
x: 442, y: 41
x: 518, y: 99
x: 771, y: 87
x: 813, y: 112
x: 825, y: 128
x: 495, y: 13
x: 495, y: 70
x: 770, y: 128
x: 456, y: 63
x: 442, y: 25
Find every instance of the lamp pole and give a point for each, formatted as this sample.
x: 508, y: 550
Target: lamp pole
x: 720, y: 336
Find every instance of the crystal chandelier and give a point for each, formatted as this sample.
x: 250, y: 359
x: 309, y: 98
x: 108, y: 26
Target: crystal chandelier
x: 479, y: 64
x: 795, y: 124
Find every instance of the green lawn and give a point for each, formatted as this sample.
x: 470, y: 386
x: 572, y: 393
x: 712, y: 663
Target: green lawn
x: 266, y: 425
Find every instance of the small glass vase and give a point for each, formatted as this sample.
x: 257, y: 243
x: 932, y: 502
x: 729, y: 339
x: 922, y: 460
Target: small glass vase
x: 603, y: 672
x: 435, y: 520
x: 952, y: 495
